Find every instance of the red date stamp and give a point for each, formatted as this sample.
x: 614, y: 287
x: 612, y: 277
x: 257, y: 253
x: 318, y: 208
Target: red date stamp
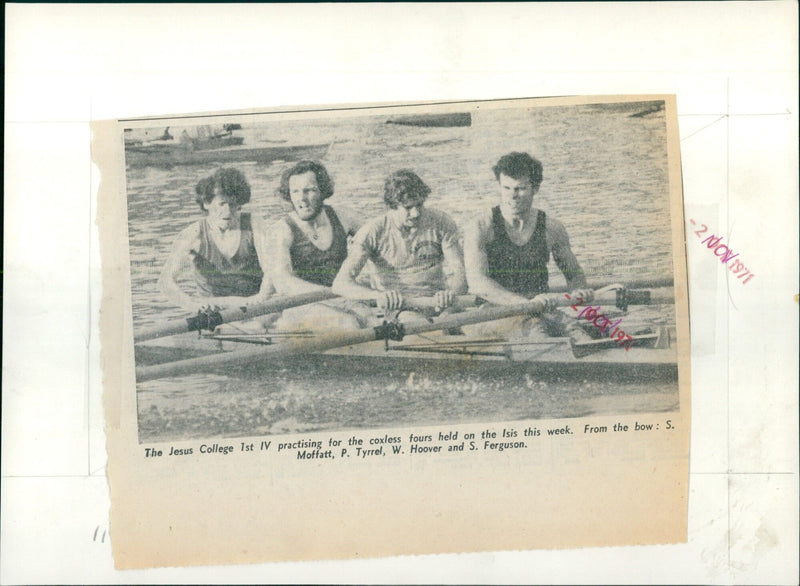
x: 724, y: 253
x: 592, y: 314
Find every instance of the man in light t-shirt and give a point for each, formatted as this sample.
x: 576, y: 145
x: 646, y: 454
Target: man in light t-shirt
x: 410, y: 251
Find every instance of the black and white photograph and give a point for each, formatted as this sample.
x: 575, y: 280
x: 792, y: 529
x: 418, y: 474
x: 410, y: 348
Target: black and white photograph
x: 393, y: 266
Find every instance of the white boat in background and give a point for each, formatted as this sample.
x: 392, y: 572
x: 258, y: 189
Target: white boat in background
x: 206, y: 144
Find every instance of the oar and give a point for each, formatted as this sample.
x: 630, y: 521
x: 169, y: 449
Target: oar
x: 329, y: 340
x: 276, y: 304
x: 633, y: 284
x: 326, y: 341
x: 208, y: 321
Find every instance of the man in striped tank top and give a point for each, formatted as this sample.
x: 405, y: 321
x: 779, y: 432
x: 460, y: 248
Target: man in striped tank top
x: 225, y: 250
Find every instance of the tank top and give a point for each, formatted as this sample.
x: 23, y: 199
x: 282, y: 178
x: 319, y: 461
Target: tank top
x: 521, y: 269
x: 309, y: 262
x: 218, y: 275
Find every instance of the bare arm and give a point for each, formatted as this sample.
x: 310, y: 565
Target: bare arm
x: 262, y: 245
x: 477, y: 266
x: 558, y: 241
x: 286, y: 282
x: 456, y: 278
x: 345, y: 282
x: 180, y: 260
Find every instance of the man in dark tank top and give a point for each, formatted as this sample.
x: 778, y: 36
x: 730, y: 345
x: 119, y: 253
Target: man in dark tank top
x: 308, y: 246
x: 225, y: 250
x: 507, y: 247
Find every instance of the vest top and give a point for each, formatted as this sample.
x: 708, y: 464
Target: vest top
x: 309, y: 262
x: 218, y: 275
x: 520, y: 269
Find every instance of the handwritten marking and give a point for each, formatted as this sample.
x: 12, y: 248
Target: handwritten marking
x: 724, y: 252
x: 96, y: 531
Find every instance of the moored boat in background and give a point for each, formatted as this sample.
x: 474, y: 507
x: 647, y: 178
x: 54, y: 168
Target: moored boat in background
x: 184, y: 155
x: 207, y: 144
x: 449, y: 120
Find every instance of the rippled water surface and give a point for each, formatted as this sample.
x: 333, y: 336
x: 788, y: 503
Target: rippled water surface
x: 605, y: 178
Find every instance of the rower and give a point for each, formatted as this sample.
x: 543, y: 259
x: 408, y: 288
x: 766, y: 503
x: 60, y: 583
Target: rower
x: 308, y: 245
x: 411, y: 250
x: 224, y: 250
x: 508, y: 246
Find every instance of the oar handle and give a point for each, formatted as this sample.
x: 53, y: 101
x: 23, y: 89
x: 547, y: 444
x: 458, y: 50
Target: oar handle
x: 624, y: 297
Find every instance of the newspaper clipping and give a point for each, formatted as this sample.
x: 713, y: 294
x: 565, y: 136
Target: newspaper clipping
x: 372, y: 330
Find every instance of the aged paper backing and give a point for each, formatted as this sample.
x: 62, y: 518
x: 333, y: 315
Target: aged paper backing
x: 562, y: 491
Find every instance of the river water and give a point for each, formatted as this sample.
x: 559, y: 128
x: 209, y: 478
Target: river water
x: 605, y: 178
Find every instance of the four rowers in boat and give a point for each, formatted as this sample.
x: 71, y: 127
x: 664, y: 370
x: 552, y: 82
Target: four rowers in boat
x: 410, y: 251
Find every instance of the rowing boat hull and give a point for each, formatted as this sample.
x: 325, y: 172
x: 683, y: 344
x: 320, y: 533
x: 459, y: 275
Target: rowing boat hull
x: 177, y: 154
x: 446, y: 353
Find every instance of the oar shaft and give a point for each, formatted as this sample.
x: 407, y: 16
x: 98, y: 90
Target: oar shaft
x: 179, y: 326
x: 633, y: 284
x: 327, y: 341
x: 211, y: 363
